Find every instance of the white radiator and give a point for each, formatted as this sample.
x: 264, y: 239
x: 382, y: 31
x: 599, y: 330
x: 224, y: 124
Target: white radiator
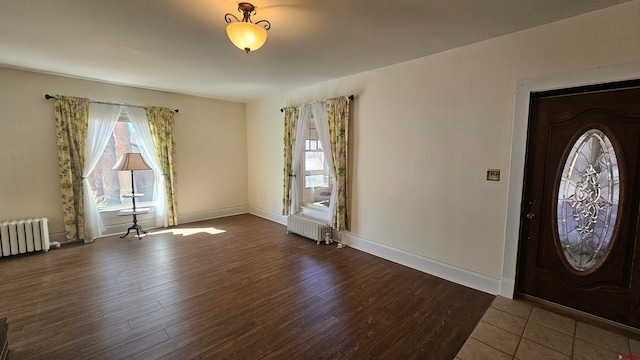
x: 313, y: 229
x: 21, y: 236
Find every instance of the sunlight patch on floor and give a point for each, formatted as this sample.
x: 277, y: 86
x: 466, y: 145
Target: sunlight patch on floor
x: 191, y: 231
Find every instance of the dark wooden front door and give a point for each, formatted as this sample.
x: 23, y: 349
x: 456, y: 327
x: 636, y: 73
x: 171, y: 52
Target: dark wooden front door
x: 578, y: 237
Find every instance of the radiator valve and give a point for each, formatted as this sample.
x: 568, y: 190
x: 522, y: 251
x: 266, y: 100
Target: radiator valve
x: 327, y: 239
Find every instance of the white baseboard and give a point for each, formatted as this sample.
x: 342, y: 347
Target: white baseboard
x: 121, y: 229
x: 507, y: 288
x: 212, y: 214
x: 445, y: 271
x: 115, y: 229
x: 58, y: 237
x: 433, y: 267
x: 148, y: 224
x: 278, y: 218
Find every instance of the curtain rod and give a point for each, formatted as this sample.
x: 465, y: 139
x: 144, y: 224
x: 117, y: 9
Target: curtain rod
x: 351, y: 97
x: 48, y: 97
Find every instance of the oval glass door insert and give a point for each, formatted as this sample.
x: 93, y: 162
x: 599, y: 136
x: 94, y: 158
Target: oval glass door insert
x: 588, y: 198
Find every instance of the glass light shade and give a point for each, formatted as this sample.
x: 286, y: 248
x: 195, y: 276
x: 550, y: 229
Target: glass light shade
x: 246, y: 36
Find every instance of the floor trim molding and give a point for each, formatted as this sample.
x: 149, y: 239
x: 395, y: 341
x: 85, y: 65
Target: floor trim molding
x: 213, y: 214
x: 60, y: 237
x: 265, y: 214
x: 433, y: 267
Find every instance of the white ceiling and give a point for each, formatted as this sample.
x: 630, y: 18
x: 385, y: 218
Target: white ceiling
x: 181, y: 45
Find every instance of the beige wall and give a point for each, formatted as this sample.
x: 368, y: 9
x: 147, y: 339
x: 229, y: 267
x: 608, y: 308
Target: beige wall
x: 210, y: 141
x: 425, y: 132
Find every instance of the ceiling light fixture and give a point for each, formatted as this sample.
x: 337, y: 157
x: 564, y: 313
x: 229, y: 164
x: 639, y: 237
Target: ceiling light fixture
x: 244, y: 33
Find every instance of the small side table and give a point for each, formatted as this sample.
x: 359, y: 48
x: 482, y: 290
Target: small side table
x: 134, y: 212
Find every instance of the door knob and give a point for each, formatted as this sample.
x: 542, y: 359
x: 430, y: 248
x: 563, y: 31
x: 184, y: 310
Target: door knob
x: 531, y: 215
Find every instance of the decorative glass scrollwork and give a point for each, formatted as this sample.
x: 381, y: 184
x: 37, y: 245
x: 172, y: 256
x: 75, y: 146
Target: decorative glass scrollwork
x: 588, y: 198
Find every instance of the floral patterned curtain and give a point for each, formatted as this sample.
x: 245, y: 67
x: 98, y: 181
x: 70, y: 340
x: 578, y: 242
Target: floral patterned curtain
x: 161, y: 122
x: 338, y: 111
x: 290, y: 122
x: 72, y: 122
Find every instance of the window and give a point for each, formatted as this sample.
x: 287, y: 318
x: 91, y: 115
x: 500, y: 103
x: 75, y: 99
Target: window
x: 317, y: 179
x: 109, y: 185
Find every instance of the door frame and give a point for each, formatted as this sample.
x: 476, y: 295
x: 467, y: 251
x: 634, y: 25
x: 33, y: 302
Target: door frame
x: 523, y: 90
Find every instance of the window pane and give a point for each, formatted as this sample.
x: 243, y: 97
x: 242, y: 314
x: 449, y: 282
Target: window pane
x: 314, y: 180
x: 109, y: 185
x: 317, y: 182
x: 588, y: 198
x: 314, y: 160
x: 317, y: 190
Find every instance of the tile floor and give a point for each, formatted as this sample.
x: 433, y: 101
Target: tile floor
x: 514, y: 329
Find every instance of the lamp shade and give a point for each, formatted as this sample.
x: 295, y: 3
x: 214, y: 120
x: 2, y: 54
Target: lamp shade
x: 246, y: 36
x: 131, y: 161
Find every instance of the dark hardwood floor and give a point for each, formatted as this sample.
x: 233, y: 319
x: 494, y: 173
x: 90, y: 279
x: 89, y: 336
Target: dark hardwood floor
x: 251, y: 291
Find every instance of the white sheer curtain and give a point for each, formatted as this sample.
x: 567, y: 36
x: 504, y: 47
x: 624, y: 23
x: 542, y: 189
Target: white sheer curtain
x: 321, y: 118
x: 302, y: 131
x: 102, y: 120
x: 138, y: 118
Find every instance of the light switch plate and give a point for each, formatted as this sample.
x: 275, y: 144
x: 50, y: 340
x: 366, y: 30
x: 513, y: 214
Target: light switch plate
x: 493, y: 174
